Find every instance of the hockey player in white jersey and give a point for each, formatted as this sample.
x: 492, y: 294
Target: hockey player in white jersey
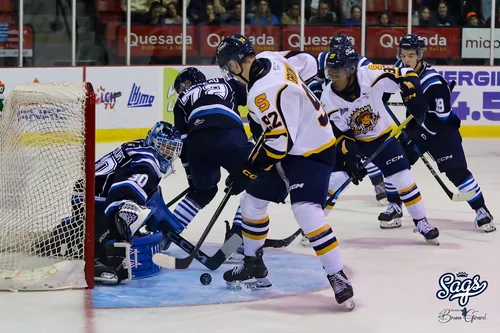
x: 354, y: 104
x: 299, y: 153
x: 318, y: 85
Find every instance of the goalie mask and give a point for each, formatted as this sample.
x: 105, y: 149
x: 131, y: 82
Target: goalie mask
x: 166, y: 140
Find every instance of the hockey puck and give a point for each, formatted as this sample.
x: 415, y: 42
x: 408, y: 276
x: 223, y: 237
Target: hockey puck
x: 205, y: 279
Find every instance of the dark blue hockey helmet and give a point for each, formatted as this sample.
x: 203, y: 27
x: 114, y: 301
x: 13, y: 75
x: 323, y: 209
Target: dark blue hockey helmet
x: 190, y: 74
x: 340, y: 39
x: 166, y: 140
x: 235, y: 47
x: 412, y: 42
x: 342, y: 62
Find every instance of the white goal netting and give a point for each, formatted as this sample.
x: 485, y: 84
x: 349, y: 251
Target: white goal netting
x: 42, y: 182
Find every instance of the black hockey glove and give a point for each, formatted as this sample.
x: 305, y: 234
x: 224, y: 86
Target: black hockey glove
x: 414, y: 100
x: 417, y: 135
x: 351, y: 159
x: 238, y: 181
x: 189, y: 177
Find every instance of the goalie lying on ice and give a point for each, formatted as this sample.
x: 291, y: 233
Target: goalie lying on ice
x: 126, y: 179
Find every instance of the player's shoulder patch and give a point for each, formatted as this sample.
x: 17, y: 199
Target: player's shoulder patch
x: 291, y: 74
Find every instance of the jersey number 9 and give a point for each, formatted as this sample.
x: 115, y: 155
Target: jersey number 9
x: 322, y: 118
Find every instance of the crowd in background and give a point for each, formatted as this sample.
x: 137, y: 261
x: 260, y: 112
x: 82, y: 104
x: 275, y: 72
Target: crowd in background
x: 427, y: 13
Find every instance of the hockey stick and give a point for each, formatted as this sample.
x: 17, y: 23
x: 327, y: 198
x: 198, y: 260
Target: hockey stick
x: 280, y: 243
x: 178, y: 197
x: 394, y: 135
x: 453, y: 196
x: 210, y: 262
x: 183, y: 263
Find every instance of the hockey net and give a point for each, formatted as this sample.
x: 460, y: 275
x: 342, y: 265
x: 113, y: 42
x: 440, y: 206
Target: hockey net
x: 47, y: 156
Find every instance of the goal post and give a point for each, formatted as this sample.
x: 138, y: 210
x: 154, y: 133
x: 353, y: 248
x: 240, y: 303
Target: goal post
x: 47, y: 172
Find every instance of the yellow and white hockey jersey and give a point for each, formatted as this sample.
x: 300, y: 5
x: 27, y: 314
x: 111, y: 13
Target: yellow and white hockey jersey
x: 366, y: 115
x: 280, y: 102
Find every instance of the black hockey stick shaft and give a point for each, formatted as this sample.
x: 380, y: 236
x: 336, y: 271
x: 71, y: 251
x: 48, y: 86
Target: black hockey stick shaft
x: 394, y: 135
x: 280, y: 243
x: 178, y: 197
x: 422, y: 157
x: 183, y: 263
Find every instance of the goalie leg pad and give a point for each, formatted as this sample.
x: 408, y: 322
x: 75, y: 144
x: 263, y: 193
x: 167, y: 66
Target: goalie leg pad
x: 130, y: 218
x: 115, y: 267
x: 141, y: 255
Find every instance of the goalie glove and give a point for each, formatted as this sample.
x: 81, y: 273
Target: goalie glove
x: 351, y: 159
x: 130, y: 218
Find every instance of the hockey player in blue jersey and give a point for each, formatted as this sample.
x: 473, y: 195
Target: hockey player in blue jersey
x: 439, y: 133
x: 206, y: 114
x: 125, y: 180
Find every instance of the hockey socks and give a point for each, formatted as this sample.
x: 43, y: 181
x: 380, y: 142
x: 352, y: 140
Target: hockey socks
x: 186, y: 210
x: 408, y: 192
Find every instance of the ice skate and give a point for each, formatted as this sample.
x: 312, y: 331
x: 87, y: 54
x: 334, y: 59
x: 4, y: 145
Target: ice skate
x: 343, y: 290
x: 251, y: 273
x: 237, y: 256
x: 484, y: 220
x: 391, y: 218
x: 380, y: 193
x: 429, y: 232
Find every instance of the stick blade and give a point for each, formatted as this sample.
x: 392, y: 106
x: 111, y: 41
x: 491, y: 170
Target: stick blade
x: 164, y: 260
x: 227, y: 249
x: 465, y: 196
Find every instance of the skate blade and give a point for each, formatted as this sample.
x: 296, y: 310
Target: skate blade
x: 251, y: 284
x: 488, y: 227
x: 349, y: 304
x: 434, y: 241
x: 395, y: 223
x: 383, y: 202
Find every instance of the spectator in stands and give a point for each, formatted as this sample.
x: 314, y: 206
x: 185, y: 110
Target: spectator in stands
x: 292, y: 15
x: 486, y: 9
x: 172, y: 16
x: 324, y: 17
x: 138, y: 9
x: 208, y: 17
x: 195, y: 10
x: 355, y: 18
x: 234, y: 17
x: 154, y: 15
x: 263, y: 16
x: 443, y: 19
x: 424, y: 16
x: 472, y: 19
x: 346, y: 7
x: 384, y: 20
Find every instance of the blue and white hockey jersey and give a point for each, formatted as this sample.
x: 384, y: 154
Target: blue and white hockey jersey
x: 438, y: 96
x: 130, y: 172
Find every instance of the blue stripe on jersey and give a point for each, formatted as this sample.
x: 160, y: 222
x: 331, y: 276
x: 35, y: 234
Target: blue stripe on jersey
x: 322, y: 60
x: 211, y: 110
x: 426, y: 83
x: 399, y: 63
x: 147, y: 161
x: 363, y: 61
x: 132, y: 185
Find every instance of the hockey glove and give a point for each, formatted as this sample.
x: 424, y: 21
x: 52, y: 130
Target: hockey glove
x: 417, y: 135
x: 351, y: 159
x: 238, y: 181
x: 414, y: 100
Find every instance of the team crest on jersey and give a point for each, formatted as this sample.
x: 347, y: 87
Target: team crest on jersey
x: 363, y: 120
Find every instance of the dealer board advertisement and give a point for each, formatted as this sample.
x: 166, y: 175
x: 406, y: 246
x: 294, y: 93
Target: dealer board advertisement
x: 130, y: 99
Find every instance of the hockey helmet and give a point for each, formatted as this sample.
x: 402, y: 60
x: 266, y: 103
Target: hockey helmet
x: 340, y: 39
x: 342, y: 57
x: 190, y: 74
x: 412, y: 42
x: 235, y: 47
x: 166, y: 141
